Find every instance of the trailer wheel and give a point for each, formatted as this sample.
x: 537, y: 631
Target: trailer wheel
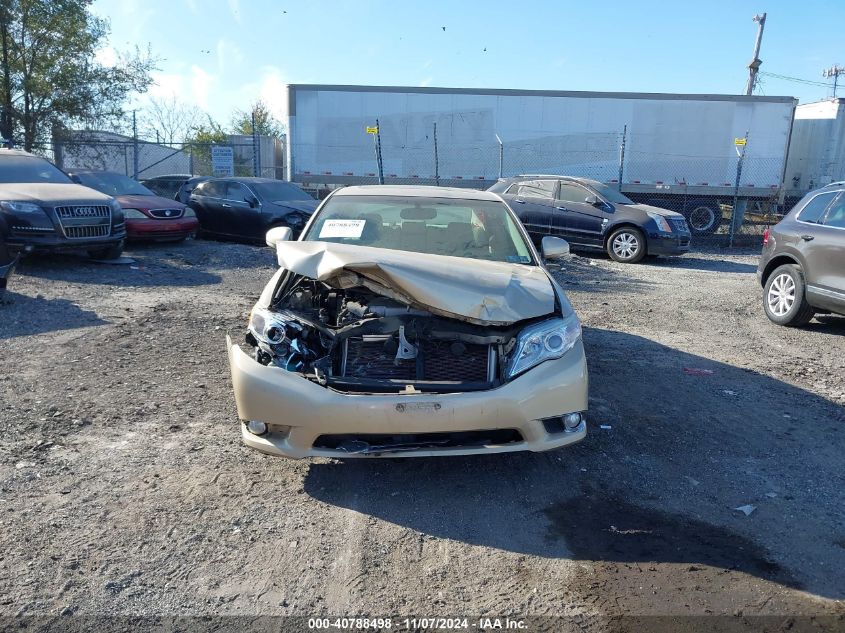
x: 703, y: 216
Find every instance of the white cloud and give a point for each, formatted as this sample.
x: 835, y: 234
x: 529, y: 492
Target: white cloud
x: 272, y: 91
x: 167, y: 85
x: 229, y: 55
x: 235, y: 10
x: 106, y: 56
x: 201, y: 83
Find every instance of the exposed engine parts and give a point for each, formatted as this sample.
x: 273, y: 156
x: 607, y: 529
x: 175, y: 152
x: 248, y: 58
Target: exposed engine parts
x: 356, y: 340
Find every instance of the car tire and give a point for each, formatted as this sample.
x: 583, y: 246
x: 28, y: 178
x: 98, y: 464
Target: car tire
x: 627, y: 245
x: 703, y: 216
x: 109, y: 252
x: 783, y: 297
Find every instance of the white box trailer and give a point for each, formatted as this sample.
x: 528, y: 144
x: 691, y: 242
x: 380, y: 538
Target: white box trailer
x: 679, y: 150
x: 817, y: 151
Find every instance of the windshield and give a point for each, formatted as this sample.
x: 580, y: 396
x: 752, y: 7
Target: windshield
x: 610, y: 194
x: 15, y: 169
x: 279, y: 191
x: 440, y: 226
x: 113, y: 184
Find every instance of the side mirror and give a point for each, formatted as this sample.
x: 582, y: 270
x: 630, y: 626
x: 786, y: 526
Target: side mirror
x: 554, y: 247
x: 278, y: 234
x: 592, y: 201
x: 253, y: 202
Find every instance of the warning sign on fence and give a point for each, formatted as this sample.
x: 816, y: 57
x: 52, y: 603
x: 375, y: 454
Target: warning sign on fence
x: 222, y: 161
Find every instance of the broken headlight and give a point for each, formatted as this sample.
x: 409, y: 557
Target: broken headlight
x: 267, y: 327
x: 543, y: 341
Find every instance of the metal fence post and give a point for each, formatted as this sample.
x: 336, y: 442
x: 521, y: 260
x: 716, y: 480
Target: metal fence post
x: 134, y: 146
x: 734, y: 209
x: 378, y: 154
x: 436, y: 159
x: 622, y: 155
x: 501, y: 155
x: 191, y: 159
x: 254, y: 147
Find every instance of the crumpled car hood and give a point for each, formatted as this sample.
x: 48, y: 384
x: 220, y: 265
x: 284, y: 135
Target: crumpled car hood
x: 476, y: 291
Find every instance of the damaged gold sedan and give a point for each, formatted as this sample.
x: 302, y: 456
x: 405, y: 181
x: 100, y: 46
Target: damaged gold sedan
x: 411, y: 321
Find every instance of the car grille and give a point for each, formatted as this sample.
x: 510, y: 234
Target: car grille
x: 83, y: 212
x: 78, y: 232
x: 365, y: 443
x: 679, y: 224
x: 166, y: 214
x: 84, y: 221
x: 438, y: 361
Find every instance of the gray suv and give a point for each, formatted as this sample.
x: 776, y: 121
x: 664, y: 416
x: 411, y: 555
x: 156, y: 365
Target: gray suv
x: 42, y: 209
x: 802, y: 268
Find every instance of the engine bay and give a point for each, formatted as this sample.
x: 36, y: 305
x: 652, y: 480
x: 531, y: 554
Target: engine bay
x: 356, y: 340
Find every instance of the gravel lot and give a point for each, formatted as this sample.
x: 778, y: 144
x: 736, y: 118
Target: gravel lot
x: 124, y: 488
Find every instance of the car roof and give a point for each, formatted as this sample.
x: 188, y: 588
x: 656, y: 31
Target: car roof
x: 520, y: 178
x: 417, y: 191
x: 248, y: 179
x: 834, y: 185
x: 19, y: 153
x: 94, y: 171
x: 169, y: 177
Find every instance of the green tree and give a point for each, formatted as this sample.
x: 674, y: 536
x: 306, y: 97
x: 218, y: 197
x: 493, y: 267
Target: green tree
x: 199, y: 142
x: 50, y: 79
x: 265, y: 123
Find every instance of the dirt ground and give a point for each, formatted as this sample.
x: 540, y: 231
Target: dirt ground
x: 125, y: 490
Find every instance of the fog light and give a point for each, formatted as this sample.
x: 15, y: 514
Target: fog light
x: 256, y: 428
x: 571, y: 421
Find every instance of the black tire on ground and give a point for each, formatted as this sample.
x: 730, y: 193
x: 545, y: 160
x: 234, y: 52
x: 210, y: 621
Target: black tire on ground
x: 703, y: 216
x: 109, y: 252
x: 627, y: 245
x: 7, y: 261
x: 783, y: 297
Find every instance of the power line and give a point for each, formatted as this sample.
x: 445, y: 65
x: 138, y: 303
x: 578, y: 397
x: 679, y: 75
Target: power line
x: 834, y: 71
x: 809, y: 82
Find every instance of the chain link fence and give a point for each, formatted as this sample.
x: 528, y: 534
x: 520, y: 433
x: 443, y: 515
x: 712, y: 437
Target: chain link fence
x: 727, y: 199
x: 243, y: 156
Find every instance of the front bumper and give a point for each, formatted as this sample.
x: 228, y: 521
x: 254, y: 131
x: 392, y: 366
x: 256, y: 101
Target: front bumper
x: 163, y: 229
x: 55, y: 243
x: 278, y: 397
x: 668, y: 243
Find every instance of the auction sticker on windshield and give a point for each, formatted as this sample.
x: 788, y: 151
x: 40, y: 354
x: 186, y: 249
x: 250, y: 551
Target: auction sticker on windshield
x: 342, y: 228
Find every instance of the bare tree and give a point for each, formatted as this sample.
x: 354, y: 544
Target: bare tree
x: 169, y: 120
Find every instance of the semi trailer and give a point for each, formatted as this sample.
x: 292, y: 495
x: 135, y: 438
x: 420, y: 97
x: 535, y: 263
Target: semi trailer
x: 698, y: 154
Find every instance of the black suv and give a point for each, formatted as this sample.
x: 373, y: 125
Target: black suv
x: 590, y: 215
x: 802, y: 268
x: 45, y: 210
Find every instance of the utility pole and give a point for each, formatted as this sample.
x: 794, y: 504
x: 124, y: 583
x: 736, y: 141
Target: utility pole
x: 754, y: 66
x: 834, y: 71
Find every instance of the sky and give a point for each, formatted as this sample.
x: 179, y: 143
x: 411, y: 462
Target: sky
x: 221, y: 55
